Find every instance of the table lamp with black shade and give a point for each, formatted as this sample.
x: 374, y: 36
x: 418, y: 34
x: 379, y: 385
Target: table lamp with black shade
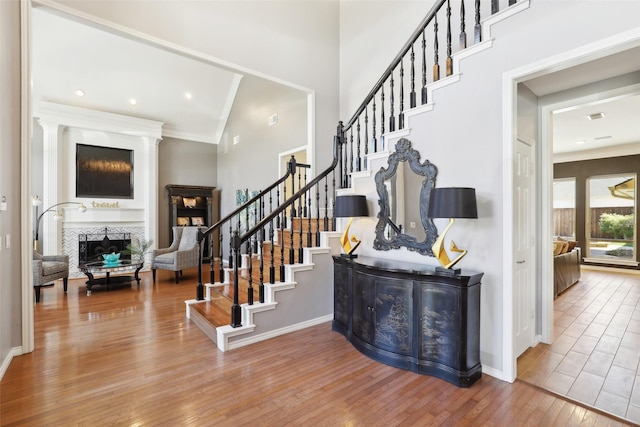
x: 451, y: 202
x: 350, y: 206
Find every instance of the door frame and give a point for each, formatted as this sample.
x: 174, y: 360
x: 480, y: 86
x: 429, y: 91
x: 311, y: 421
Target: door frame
x: 26, y: 6
x: 544, y: 174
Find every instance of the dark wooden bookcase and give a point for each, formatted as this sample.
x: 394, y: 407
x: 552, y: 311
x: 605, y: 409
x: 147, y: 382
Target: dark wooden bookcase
x: 191, y: 205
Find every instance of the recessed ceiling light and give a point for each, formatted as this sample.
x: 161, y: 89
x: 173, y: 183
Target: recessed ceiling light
x: 133, y: 101
x: 595, y: 116
x: 582, y: 141
x: 79, y: 92
x: 187, y: 95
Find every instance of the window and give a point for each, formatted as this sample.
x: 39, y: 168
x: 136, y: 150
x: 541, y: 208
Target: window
x: 610, y: 218
x: 564, y: 208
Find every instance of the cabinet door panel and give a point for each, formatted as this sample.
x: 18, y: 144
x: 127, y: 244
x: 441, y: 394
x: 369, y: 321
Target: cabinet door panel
x: 440, y: 335
x: 341, y: 297
x: 394, y: 315
x: 362, y: 309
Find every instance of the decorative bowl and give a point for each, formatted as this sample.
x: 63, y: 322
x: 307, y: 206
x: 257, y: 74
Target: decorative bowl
x: 111, y: 258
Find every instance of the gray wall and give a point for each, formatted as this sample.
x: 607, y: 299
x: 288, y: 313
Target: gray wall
x: 10, y: 259
x: 253, y: 162
x: 184, y: 163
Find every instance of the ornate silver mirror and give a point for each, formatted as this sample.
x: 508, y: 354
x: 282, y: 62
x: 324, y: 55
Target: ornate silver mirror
x: 404, y: 188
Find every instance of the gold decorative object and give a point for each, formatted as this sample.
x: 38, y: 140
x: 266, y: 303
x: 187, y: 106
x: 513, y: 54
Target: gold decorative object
x: 350, y: 206
x: 451, y: 203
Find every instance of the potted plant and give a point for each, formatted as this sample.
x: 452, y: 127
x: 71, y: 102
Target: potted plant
x: 138, y: 250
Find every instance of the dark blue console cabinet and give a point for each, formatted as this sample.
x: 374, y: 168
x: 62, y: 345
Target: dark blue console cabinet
x: 410, y: 316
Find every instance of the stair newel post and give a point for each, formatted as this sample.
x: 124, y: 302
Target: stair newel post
x: 392, y: 119
x: 424, y: 67
x: 300, y: 247
x: 272, y: 266
x: 282, y: 243
x: 231, y: 242
x: 326, y: 201
x: 292, y: 252
x: 292, y: 169
x: 250, y: 274
x: 401, y: 90
x: 283, y: 223
x: 221, y: 266
x: 463, y: 33
x: 449, y: 59
x: 308, y: 213
x: 236, y: 313
x: 247, y: 244
x: 260, y: 252
x: 199, y: 286
x: 338, y: 148
x: 382, y: 117
x: 436, y: 66
x: 318, y: 214
x: 477, y: 29
x: 374, y: 141
x: 366, y: 140
x: 212, y: 276
x: 358, y: 159
x: 412, y: 94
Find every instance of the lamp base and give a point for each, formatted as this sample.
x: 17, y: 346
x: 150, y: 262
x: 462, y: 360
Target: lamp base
x: 449, y: 271
x: 350, y: 256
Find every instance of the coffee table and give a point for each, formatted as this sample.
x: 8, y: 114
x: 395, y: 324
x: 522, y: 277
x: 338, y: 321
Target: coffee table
x: 101, y: 267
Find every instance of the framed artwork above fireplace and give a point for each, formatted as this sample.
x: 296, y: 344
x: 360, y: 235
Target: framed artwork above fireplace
x: 104, y: 172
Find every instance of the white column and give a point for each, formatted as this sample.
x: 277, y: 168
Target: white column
x: 50, y: 230
x: 151, y: 202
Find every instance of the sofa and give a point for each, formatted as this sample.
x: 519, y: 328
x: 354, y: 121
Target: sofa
x: 566, y: 267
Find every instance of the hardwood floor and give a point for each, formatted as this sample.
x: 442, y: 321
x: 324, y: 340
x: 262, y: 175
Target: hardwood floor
x: 130, y: 357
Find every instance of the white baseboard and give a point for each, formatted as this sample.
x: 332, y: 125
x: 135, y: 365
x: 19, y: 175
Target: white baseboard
x: 271, y: 334
x: 15, y: 351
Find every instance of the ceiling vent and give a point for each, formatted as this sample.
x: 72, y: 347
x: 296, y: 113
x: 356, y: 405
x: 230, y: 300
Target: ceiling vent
x: 595, y: 116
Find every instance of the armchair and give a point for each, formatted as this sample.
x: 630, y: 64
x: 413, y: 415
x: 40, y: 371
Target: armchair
x: 47, y: 269
x: 183, y: 252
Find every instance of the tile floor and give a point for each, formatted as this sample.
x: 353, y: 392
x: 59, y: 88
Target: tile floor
x: 596, y: 350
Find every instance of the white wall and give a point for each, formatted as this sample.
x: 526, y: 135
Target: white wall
x: 371, y: 34
x: 463, y: 136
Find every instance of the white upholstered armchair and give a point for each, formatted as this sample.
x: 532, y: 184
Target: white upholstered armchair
x: 183, y: 252
x: 47, y: 269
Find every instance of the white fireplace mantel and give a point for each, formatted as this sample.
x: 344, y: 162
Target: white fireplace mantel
x: 65, y: 126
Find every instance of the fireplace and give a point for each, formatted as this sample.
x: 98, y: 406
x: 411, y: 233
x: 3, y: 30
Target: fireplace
x: 92, y: 246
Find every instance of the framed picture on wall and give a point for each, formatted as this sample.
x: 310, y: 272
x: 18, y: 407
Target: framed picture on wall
x: 189, y: 202
x: 183, y: 221
x: 197, y: 220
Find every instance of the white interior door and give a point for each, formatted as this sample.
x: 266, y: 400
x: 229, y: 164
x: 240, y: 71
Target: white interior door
x: 524, y: 242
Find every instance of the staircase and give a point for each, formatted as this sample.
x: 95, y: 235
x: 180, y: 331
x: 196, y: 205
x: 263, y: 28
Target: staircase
x: 274, y: 267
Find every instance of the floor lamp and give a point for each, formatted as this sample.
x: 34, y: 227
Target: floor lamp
x: 37, y: 202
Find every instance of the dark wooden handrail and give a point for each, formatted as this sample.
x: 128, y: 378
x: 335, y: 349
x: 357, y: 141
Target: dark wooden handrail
x: 387, y: 73
x: 284, y: 205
